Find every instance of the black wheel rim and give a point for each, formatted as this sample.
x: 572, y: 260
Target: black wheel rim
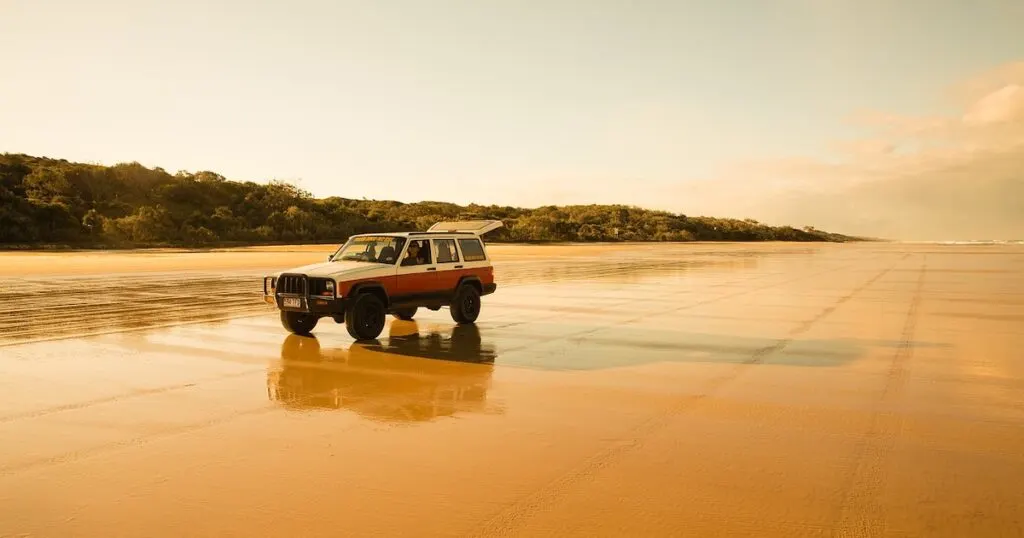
x: 372, y: 317
x: 470, y: 304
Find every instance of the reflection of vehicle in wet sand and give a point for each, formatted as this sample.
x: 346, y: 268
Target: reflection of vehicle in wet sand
x: 411, y: 377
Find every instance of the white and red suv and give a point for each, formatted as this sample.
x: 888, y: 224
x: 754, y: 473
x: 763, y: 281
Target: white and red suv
x: 372, y: 275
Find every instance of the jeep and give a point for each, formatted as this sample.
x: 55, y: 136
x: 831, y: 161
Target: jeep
x: 373, y: 275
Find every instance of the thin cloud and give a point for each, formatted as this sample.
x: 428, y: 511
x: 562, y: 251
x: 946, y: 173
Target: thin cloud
x: 1005, y: 105
x: 958, y: 176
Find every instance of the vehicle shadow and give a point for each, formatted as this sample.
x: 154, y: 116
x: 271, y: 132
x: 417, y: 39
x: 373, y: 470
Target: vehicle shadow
x: 414, y: 375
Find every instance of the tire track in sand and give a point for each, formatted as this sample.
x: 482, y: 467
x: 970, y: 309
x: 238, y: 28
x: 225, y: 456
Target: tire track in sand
x: 36, y: 413
x: 859, y: 513
x: 170, y: 431
x: 758, y: 356
x: 671, y: 310
x: 50, y: 309
x: 512, y: 516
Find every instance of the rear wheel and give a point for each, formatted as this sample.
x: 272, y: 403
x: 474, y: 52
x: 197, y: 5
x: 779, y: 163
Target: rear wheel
x: 405, y: 313
x: 365, y: 318
x: 298, y: 322
x: 466, y: 304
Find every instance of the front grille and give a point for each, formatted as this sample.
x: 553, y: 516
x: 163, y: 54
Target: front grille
x: 292, y: 284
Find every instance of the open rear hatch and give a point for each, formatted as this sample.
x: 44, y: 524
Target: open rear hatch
x: 479, y: 227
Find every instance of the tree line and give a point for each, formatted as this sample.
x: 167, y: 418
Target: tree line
x: 47, y: 201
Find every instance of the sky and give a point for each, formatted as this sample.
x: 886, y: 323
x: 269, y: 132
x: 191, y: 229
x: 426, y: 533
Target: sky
x: 867, y: 116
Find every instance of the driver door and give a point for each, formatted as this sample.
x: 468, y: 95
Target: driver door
x: 419, y: 280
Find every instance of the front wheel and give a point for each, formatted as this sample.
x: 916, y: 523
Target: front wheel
x: 405, y: 314
x: 298, y: 322
x: 466, y: 304
x: 365, y: 318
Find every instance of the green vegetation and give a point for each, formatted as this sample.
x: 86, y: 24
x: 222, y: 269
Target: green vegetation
x: 49, y: 202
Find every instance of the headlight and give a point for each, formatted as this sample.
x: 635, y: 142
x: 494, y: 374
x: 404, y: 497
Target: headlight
x: 268, y: 284
x: 329, y: 286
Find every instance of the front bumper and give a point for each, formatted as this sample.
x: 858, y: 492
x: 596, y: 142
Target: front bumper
x: 296, y: 292
x: 312, y: 305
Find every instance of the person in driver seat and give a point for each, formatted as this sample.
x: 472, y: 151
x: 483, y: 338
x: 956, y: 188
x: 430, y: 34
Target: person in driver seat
x: 414, y: 256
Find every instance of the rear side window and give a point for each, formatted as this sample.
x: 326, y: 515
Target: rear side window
x: 472, y: 250
x: 446, y: 251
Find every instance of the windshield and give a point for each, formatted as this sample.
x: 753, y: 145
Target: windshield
x: 373, y: 249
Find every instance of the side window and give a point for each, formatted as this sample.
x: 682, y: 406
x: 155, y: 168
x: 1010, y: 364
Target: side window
x: 417, y: 254
x: 446, y: 251
x: 472, y: 250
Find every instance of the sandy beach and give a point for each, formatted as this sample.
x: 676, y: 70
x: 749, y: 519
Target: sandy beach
x: 774, y: 389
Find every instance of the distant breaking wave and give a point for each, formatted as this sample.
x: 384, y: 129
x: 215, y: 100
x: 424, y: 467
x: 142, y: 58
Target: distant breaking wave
x: 975, y: 242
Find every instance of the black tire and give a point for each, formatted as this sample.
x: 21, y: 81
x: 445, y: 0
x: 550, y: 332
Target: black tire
x: 466, y: 304
x: 365, y: 318
x: 298, y: 322
x: 405, y: 314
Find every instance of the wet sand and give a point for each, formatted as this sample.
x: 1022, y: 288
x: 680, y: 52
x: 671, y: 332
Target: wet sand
x: 641, y: 390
